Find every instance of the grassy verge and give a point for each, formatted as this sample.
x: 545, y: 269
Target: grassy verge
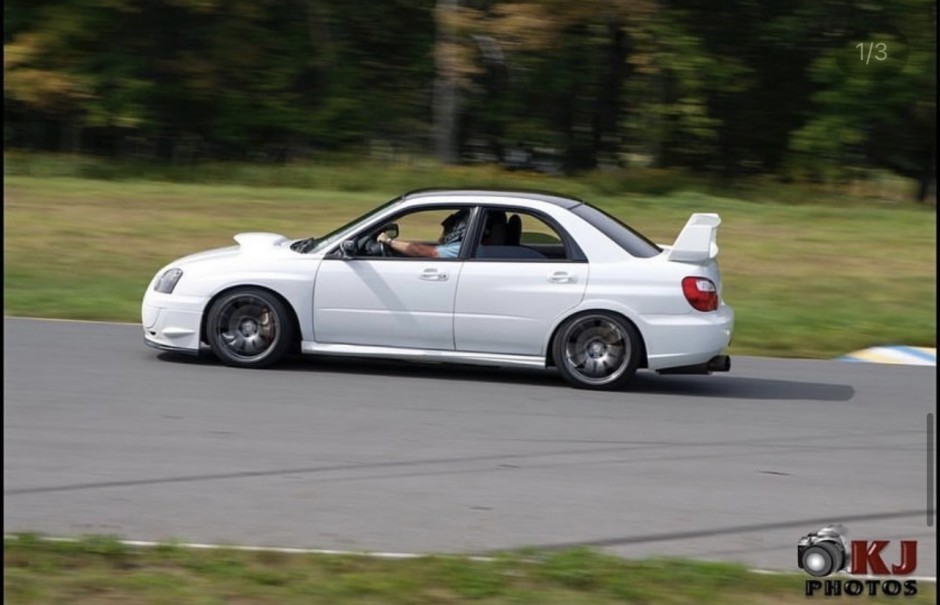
x: 806, y: 280
x: 403, y: 173
x: 99, y: 570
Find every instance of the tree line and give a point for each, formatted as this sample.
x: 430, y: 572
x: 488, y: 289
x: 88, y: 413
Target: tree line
x: 814, y: 89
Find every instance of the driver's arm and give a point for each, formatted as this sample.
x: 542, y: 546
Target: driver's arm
x: 413, y: 248
x: 408, y: 248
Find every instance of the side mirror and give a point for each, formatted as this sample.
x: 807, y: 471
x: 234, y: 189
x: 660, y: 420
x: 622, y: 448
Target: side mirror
x: 391, y: 230
x: 348, y: 248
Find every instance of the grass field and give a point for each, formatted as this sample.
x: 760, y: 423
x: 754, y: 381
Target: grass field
x: 100, y: 570
x: 806, y: 280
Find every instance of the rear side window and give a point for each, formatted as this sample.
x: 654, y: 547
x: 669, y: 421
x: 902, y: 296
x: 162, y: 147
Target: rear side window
x: 625, y: 237
x: 514, y: 234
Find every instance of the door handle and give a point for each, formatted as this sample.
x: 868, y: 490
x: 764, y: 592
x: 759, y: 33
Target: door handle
x: 560, y: 277
x: 433, y: 275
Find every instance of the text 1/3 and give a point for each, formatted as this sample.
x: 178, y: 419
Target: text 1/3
x: 878, y: 49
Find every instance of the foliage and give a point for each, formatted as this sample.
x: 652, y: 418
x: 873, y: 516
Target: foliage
x: 732, y: 88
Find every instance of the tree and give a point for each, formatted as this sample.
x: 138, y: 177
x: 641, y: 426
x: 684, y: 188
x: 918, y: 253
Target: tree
x: 446, y: 98
x: 876, y: 113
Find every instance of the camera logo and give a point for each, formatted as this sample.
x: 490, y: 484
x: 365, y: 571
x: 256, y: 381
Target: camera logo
x: 826, y: 551
x: 823, y: 552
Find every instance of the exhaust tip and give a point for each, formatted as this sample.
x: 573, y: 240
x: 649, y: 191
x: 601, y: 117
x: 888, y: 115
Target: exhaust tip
x: 719, y: 363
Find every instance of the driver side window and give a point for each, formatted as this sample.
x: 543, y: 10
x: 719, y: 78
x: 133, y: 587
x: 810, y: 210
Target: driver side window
x: 437, y: 232
x: 422, y: 225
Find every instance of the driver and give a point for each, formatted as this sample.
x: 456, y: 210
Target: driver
x: 448, y: 245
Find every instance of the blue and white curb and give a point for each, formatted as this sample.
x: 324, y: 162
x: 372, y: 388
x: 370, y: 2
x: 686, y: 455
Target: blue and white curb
x: 914, y: 356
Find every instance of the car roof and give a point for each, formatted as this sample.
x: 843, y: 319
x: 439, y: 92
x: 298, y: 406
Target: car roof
x: 525, y: 194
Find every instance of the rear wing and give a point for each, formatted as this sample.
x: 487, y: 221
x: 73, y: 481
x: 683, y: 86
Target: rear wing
x: 697, y: 242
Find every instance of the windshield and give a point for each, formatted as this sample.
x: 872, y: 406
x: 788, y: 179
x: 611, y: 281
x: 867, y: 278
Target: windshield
x: 321, y: 243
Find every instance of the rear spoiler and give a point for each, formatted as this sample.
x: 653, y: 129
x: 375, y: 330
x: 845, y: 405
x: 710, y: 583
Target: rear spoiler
x: 697, y: 242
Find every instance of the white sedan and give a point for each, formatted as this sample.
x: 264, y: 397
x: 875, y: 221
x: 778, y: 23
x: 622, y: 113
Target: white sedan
x: 497, y: 278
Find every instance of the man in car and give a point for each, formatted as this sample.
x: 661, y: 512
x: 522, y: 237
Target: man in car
x: 448, y: 245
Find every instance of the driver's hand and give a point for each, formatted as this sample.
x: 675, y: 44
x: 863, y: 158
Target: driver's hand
x: 382, y: 238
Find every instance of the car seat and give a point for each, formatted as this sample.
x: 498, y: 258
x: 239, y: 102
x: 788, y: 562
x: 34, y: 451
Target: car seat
x: 513, y: 230
x: 494, y: 233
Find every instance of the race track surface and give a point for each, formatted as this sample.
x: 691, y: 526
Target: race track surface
x: 103, y: 435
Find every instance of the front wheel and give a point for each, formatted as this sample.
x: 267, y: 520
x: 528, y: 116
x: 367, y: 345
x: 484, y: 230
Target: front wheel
x: 597, y: 350
x: 249, y: 328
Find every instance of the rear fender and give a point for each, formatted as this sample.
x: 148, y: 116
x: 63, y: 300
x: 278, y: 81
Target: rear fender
x: 599, y: 305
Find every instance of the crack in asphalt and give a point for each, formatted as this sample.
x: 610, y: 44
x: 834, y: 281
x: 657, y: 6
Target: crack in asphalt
x: 811, y: 523
x: 472, y: 459
x: 302, y: 471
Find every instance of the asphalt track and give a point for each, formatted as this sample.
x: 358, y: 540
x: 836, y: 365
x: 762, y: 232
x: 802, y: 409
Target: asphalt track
x: 103, y: 435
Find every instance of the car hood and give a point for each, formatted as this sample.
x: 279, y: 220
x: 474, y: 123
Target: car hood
x: 254, y: 243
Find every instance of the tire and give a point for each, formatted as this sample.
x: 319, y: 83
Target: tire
x: 249, y: 328
x: 597, y: 350
x: 821, y: 559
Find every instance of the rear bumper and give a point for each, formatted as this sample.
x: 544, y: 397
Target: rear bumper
x: 688, y: 340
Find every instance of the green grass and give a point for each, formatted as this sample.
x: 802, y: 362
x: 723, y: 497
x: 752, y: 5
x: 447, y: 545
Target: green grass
x: 355, y: 174
x: 99, y: 570
x: 808, y: 276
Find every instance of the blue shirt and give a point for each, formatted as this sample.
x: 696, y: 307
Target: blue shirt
x: 450, y: 250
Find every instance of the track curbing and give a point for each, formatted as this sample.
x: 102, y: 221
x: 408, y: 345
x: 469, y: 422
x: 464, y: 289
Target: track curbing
x: 894, y: 354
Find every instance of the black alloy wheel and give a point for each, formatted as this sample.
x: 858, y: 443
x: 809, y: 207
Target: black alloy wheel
x: 597, y: 350
x: 249, y: 328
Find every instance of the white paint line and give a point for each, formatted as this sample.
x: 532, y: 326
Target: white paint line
x: 73, y: 321
x: 841, y: 575
x: 883, y: 578
x: 377, y: 555
x: 274, y: 549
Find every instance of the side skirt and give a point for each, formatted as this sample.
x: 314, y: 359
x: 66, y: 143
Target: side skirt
x: 424, y: 355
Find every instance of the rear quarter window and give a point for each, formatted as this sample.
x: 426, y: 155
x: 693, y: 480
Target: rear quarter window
x: 623, y: 235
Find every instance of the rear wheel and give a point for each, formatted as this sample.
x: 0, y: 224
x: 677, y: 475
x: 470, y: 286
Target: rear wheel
x: 249, y: 328
x: 597, y: 350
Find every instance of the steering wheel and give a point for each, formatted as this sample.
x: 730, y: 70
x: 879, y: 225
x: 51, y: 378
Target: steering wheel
x: 370, y: 246
x: 384, y: 249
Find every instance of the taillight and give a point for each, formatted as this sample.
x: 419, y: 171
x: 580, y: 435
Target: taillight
x: 701, y: 293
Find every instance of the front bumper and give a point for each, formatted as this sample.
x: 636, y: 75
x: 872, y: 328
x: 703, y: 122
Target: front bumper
x: 164, y: 347
x: 171, y: 322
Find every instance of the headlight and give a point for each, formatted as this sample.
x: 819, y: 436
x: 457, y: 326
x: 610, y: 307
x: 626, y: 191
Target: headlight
x: 168, y: 280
